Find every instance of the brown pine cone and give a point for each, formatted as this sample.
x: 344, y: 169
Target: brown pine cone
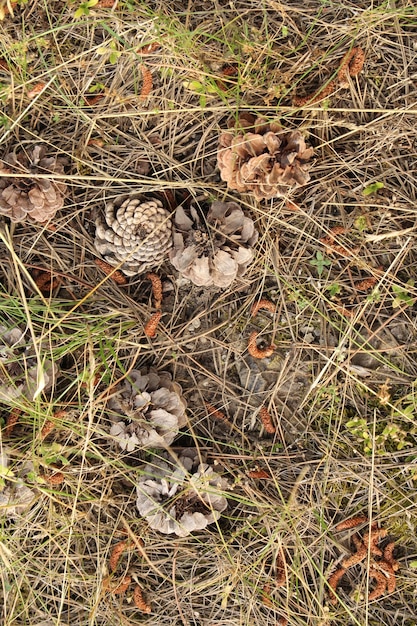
x: 30, y: 196
x: 263, y: 159
x: 136, y: 231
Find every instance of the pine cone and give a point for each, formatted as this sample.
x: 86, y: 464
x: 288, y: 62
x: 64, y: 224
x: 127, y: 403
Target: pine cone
x: 213, y: 251
x: 154, y: 409
x: 30, y: 196
x: 136, y: 231
x: 15, y: 496
x: 263, y: 159
x: 180, y: 500
x: 19, y: 368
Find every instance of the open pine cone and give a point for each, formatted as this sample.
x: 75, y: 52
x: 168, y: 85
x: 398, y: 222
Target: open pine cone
x: 15, y: 496
x: 136, y: 231
x: 20, y: 371
x: 147, y: 411
x: 181, y: 499
x: 31, y: 196
x: 215, y: 250
x: 263, y: 159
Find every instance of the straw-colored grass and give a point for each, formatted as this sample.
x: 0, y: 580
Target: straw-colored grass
x: 340, y: 387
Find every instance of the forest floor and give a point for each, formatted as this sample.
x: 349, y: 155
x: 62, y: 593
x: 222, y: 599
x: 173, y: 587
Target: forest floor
x: 336, y: 257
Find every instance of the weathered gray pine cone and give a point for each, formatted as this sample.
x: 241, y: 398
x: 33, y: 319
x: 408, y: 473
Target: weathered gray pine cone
x: 15, y: 496
x: 180, y: 500
x: 147, y: 411
x: 20, y: 371
x: 136, y: 231
x: 263, y: 160
x: 214, y: 251
x: 30, y: 196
